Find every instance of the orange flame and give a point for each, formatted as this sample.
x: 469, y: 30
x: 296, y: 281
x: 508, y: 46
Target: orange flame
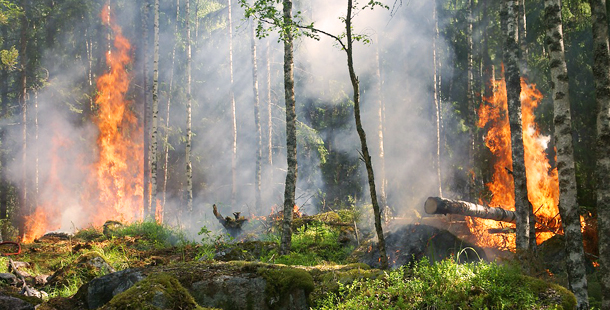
x: 542, y: 181
x: 113, y: 188
x: 117, y: 183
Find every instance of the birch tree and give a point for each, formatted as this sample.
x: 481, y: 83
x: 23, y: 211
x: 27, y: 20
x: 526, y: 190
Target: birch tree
x: 189, y: 134
x: 169, y: 104
x: 233, y: 116
x: 568, y: 206
x: 513, y: 92
x: 155, y: 115
x: 601, y: 74
x: 257, y: 124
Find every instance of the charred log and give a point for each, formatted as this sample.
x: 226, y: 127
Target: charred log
x: 437, y: 205
x: 231, y: 224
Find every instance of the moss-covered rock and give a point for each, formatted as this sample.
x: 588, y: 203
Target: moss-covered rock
x: 157, y: 291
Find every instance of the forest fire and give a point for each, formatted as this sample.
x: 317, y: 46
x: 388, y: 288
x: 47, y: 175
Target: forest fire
x: 542, y: 181
x: 113, y: 186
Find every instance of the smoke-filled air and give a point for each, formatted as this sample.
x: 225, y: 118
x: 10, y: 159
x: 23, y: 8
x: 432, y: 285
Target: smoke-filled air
x: 396, y: 134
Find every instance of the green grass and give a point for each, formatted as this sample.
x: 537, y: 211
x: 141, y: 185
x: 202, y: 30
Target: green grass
x: 448, y: 285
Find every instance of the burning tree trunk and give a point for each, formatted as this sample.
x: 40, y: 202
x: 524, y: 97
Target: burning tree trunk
x: 146, y: 125
x: 601, y: 73
x: 568, y: 206
x: 437, y: 205
x: 523, y: 207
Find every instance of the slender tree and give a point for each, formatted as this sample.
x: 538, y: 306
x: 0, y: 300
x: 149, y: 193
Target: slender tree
x: 146, y: 108
x: 568, y: 206
x: 23, y: 43
x: 168, y: 108
x: 380, y: 127
x: 437, y: 98
x: 269, y: 116
x: 257, y: 124
x: 513, y: 92
x: 155, y: 115
x: 470, y: 98
x: 361, y: 133
x: 233, y: 115
x: 601, y: 73
x: 189, y: 134
x: 291, y: 129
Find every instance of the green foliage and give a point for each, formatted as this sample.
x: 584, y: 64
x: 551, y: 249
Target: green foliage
x: 153, y: 234
x: 448, y: 285
x: 312, y: 244
x: 8, y: 58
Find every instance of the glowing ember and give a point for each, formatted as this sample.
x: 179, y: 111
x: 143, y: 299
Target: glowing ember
x: 542, y: 182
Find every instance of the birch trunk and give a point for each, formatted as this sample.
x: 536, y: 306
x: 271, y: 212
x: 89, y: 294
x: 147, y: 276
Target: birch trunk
x: 522, y: 21
x: 146, y: 111
x: 155, y: 116
x: 568, y: 206
x: 233, y: 116
x: 291, y: 132
x: 471, y: 114
x: 269, y: 115
x: 437, y: 101
x: 381, y: 127
x: 257, y: 125
x: 189, y: 135
x: 601, y: 73
x: 523, y: 207
x: 169, y: 104
x: 365, y: 150
x: 24, y: 108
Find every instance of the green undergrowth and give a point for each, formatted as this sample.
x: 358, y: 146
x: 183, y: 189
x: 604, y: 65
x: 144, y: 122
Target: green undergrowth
x: 448, y: 285
x: 312, y: 244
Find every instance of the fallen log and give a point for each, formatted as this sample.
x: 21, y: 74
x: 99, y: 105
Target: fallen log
x: 437, y: 205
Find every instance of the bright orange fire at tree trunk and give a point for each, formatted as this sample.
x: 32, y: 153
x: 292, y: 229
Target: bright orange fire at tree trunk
x: 542, y: 182
x: 113, y: 187
x: 118, y: 173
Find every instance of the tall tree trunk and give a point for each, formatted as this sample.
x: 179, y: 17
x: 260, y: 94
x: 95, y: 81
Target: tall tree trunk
x: 568, y: 205
x: 437, y: 99
x: 189, y: 135
x: 380, y: 127
x: 36, y: 152
x: 470, y: 97
x: 146, y: 111
x: 23, y: 42
x: 365, y: 150
x: 269, y: 116
x: 291, y: 131
x: 257, y: 125
x: 155, y: 116
x: 169, y: 104
x: 601, y: 73
x: 522, y: 21
x: 233, y: 116
x: 513, y: 92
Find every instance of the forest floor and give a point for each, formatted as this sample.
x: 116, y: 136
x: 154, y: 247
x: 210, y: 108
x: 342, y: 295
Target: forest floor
x: 321, y: 246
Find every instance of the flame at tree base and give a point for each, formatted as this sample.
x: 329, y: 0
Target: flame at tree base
x: 542, y: 180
